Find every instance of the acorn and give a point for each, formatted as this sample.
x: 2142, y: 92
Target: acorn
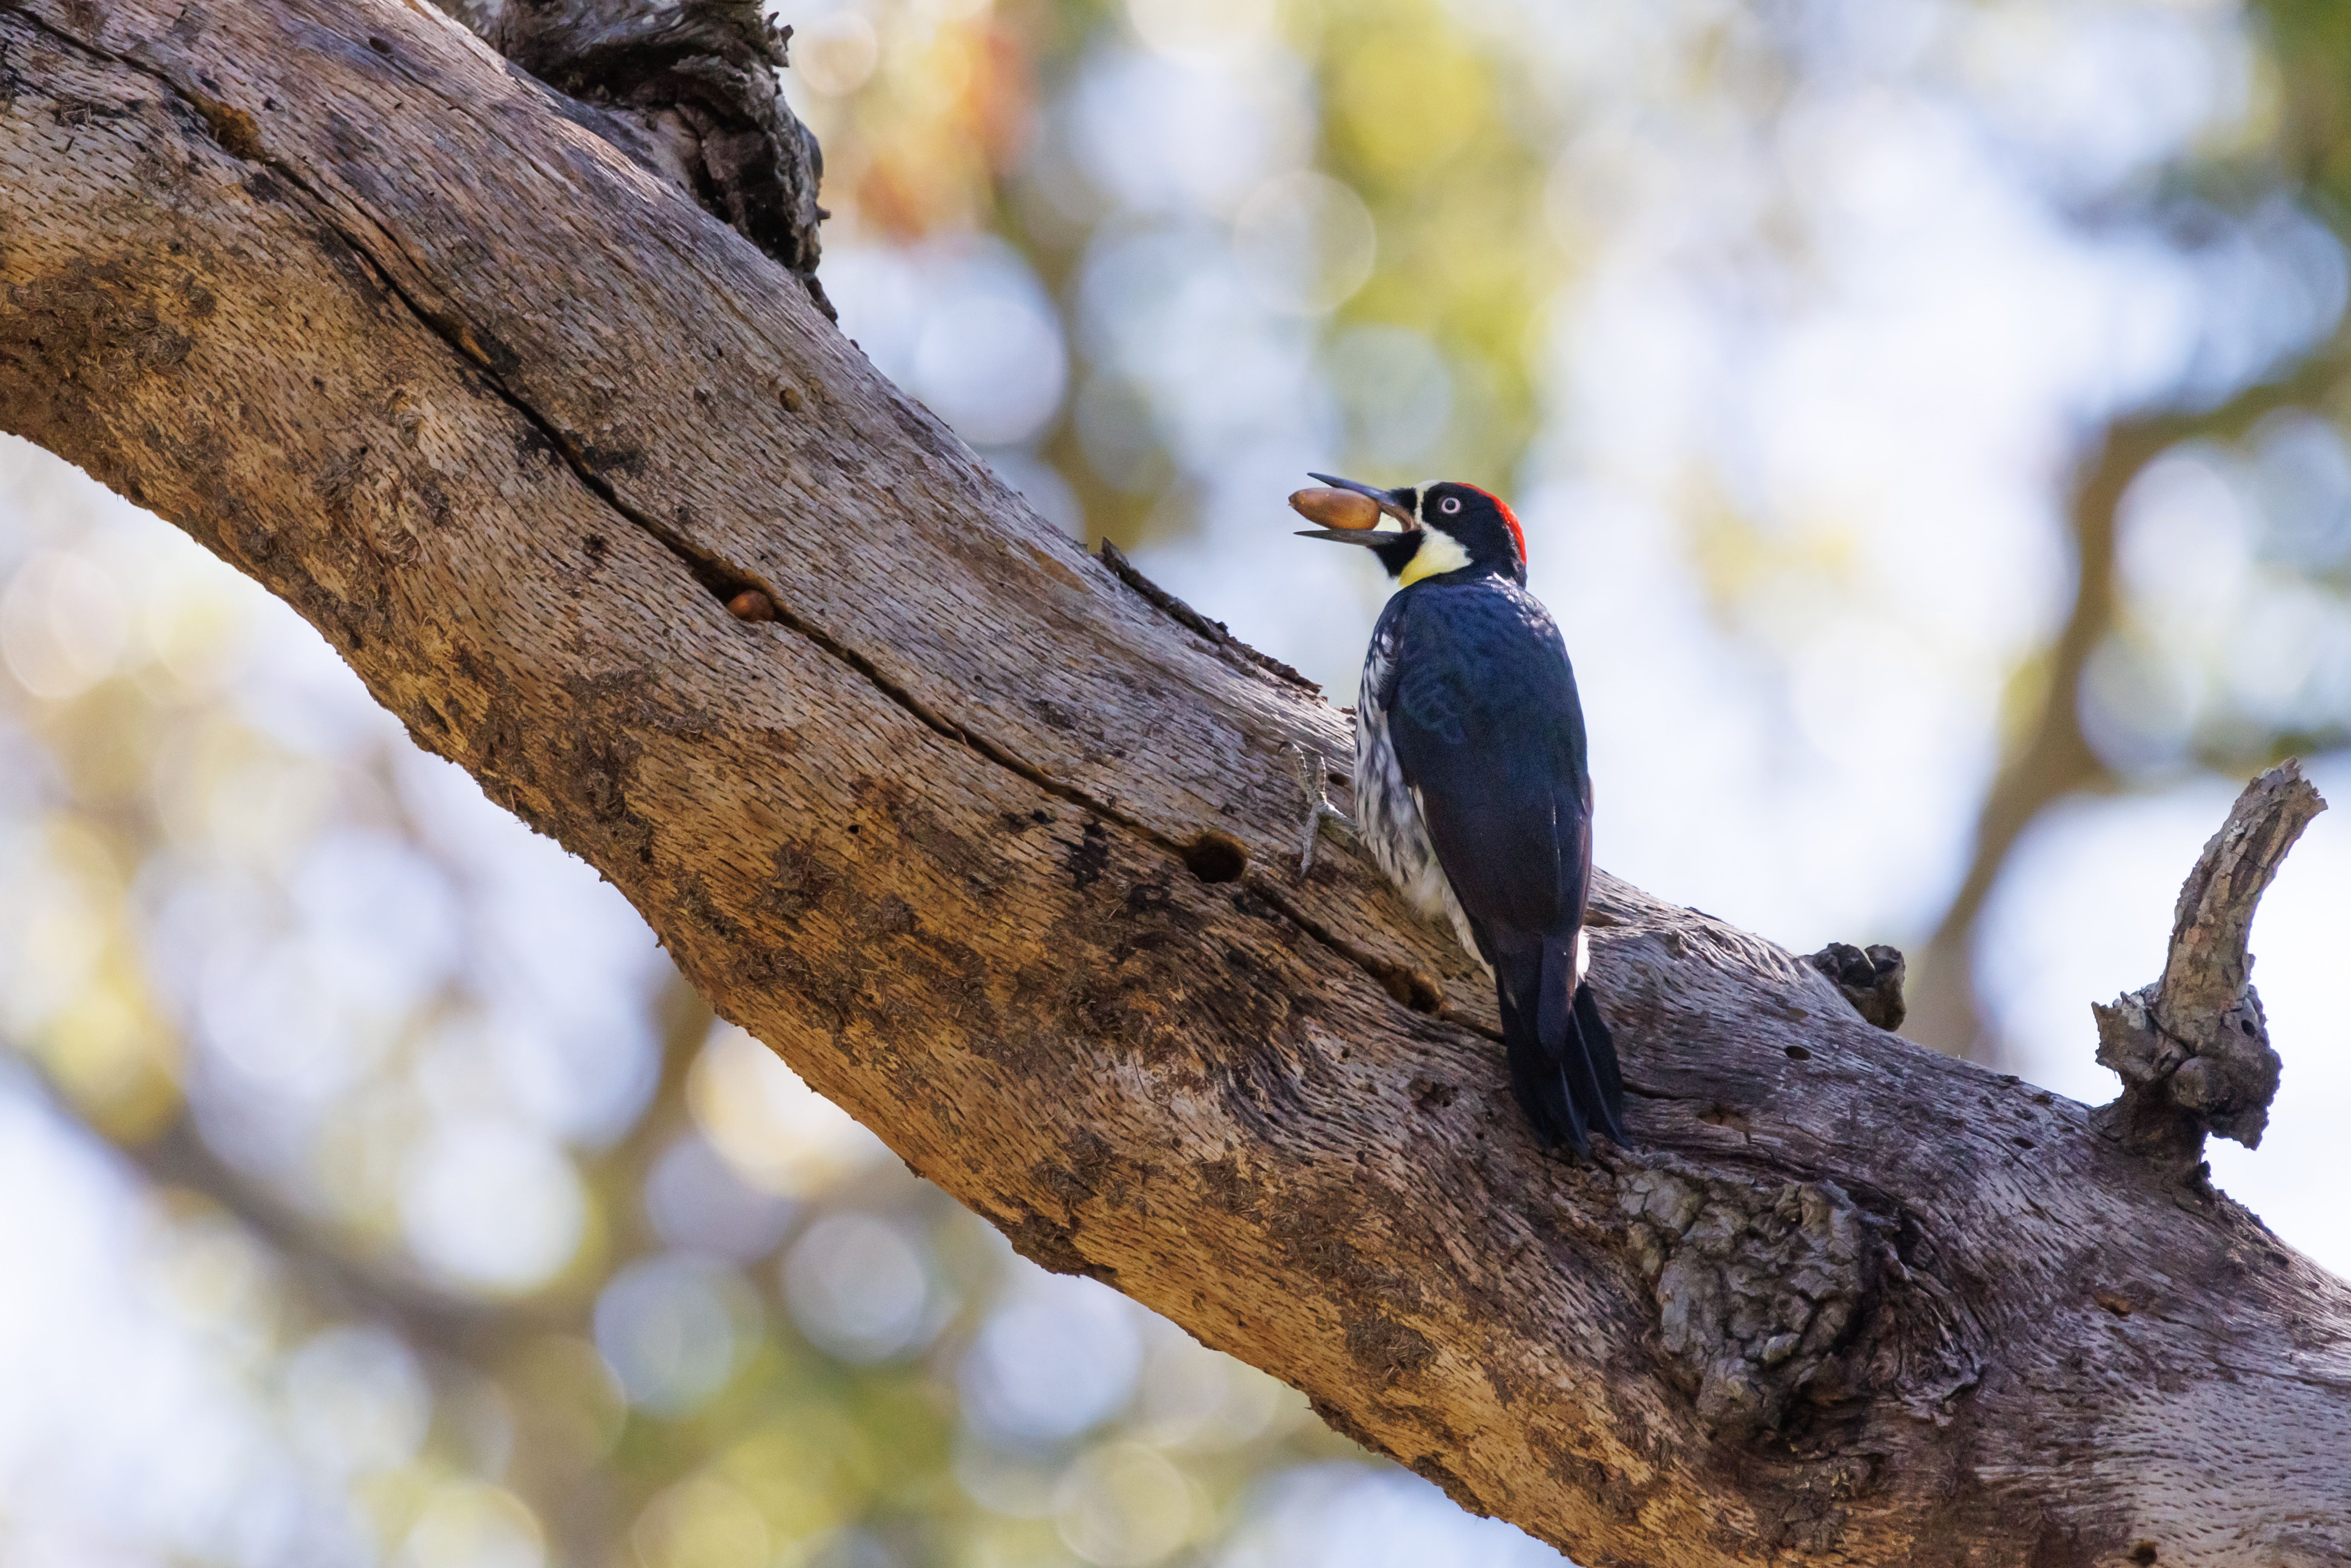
x: 1336, y: 509
x: 751, y: 605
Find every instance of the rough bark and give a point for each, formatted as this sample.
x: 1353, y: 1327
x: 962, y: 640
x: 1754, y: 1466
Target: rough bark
x: 687, y: 87
x: 2193, y: 1047
x: 1000, y: 852
x: 1869, y: 978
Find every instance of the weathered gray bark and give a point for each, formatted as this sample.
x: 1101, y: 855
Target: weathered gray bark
x: 1001, y: 853
x: 2193, y: 1049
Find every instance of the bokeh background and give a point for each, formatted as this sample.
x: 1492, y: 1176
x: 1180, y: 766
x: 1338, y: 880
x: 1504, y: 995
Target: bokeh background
x: 1928, y: 417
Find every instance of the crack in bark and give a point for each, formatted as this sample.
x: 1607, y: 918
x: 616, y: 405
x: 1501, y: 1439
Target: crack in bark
x: 724, y: 580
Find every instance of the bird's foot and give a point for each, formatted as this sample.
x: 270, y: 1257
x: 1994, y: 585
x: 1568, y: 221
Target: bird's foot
x: 1319, y: 809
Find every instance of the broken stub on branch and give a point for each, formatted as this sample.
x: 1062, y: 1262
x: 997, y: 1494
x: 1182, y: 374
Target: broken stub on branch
x: 1869, y: 978
x: 2193, y: 1049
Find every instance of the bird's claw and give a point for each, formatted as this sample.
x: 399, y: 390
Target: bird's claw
x: 1319, y: 809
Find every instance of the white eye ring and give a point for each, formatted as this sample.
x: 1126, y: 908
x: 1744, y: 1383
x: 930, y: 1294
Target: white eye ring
x: 1451, y: 503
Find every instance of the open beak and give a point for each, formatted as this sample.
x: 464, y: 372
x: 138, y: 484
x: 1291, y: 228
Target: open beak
x: 1351, y: 510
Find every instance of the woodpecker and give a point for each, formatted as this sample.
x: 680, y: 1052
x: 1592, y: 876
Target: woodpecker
x: 1471, y: 785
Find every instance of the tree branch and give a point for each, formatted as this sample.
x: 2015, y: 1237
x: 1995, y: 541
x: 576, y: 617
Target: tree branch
x: 689, y: 87
x: 2193, y: 1049
x: 1000, y: 854
x: 1869, y: 978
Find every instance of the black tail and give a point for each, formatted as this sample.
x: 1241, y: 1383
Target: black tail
x: 1562, y: 1060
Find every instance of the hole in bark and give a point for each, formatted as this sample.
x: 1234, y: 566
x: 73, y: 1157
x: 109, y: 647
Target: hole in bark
x: 381, y: 45
x: 1216, y: 857
x: 1798, y: 1053
x: 743, y: 599
x: 2142, y: 1551
x: 1414, y: 989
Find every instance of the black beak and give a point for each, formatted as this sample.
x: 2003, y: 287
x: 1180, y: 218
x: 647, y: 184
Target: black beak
x: 1371, y: 539
x: 1400, y: 503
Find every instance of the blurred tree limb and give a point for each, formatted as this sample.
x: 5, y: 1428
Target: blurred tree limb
x: 334, y: 1276
x: 994, y: 852
x: 339, y: 1274
x: 2051, y: 756
x: 2048, y: 758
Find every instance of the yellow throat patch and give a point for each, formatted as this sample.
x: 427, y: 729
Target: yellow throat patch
x: 1439, y: 553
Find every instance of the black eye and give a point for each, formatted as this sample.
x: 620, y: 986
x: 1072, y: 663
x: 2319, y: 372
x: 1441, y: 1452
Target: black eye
x: 1451, y: 503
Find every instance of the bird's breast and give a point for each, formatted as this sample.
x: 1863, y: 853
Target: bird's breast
x: 1388, y: 814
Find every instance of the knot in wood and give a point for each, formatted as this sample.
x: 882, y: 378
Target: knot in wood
x: 2175, y: 1090
x: 1869, y: 978
x: 1757, y: 1286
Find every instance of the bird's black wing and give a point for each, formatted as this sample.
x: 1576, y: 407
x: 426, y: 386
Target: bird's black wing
x: 1487, y: 730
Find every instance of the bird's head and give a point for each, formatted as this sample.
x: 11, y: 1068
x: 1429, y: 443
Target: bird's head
x: 1442, y: 526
